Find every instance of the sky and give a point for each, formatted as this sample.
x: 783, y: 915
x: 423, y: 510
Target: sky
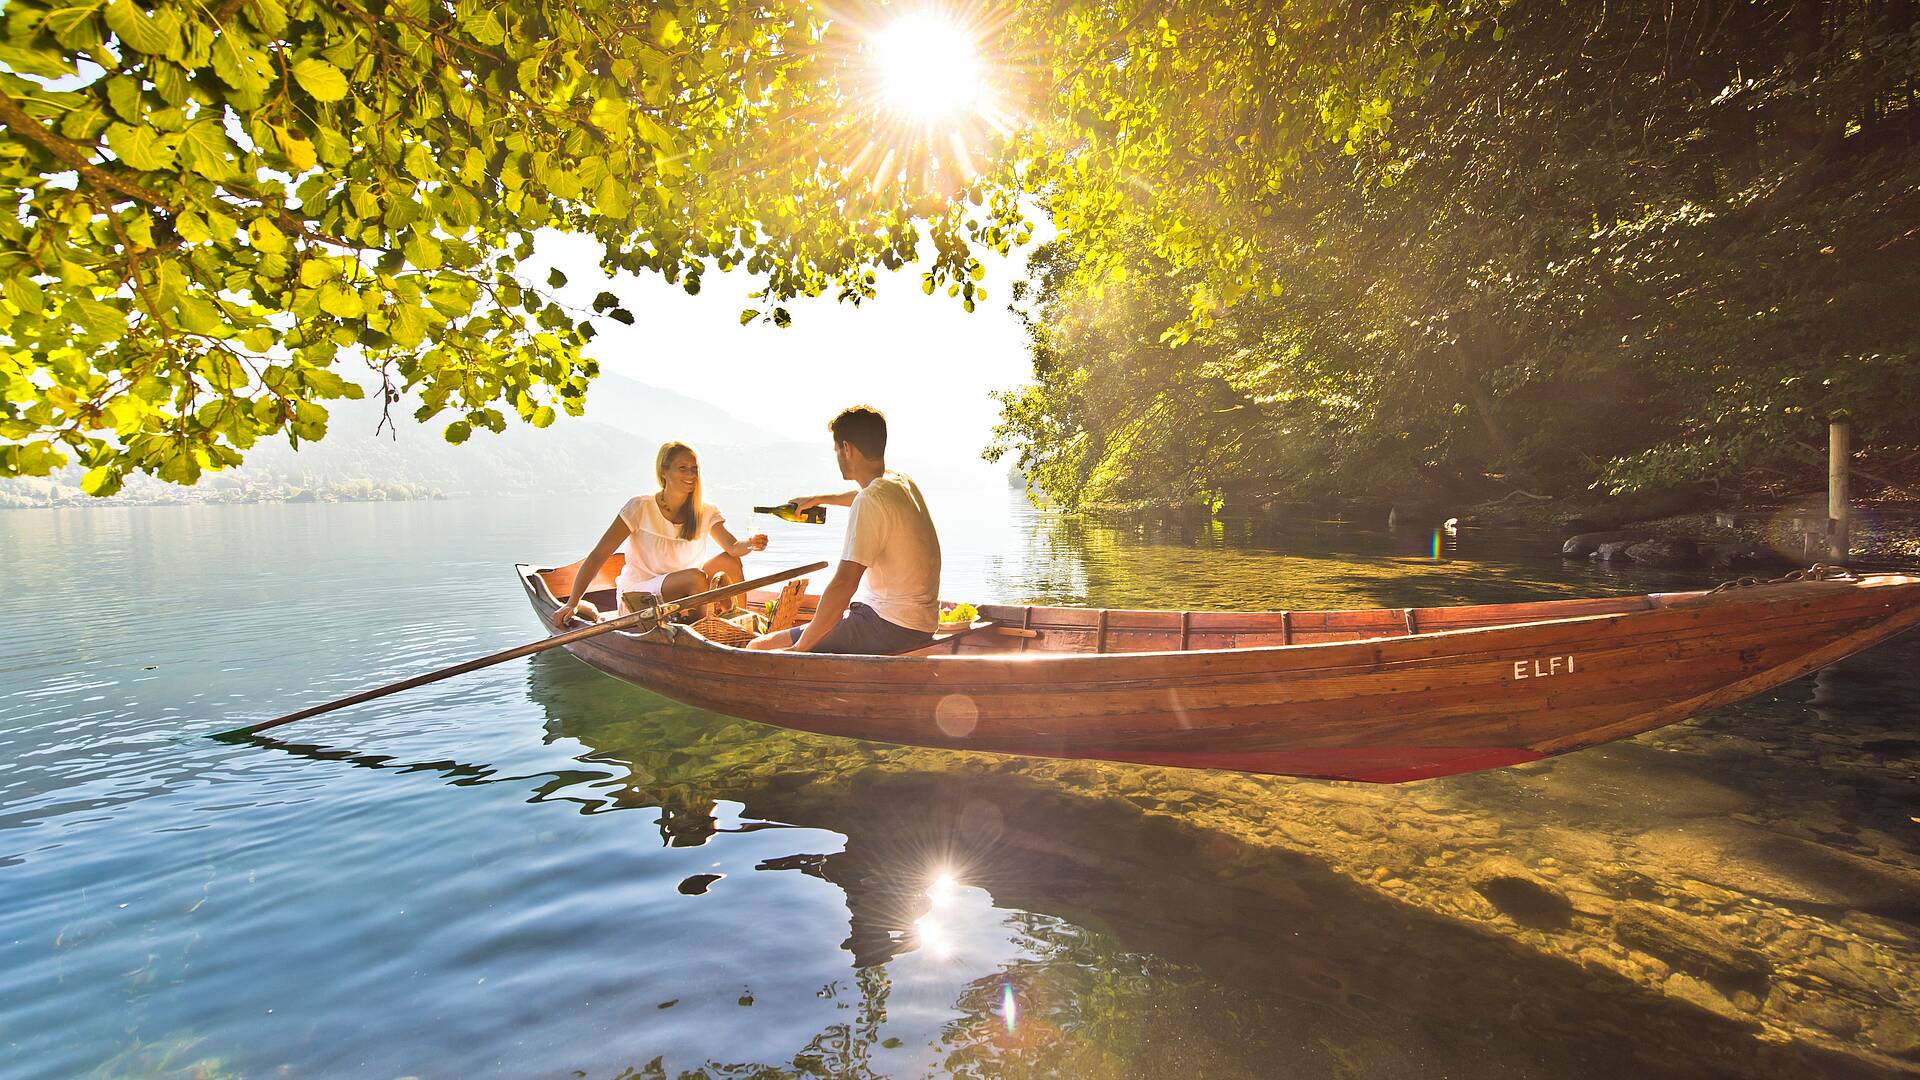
x: 922, y: 360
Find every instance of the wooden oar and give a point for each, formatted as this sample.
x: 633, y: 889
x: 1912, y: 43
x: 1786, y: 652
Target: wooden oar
x: 940, y: 640
x: 652, y: 615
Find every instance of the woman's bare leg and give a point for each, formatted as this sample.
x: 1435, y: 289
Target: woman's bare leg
x: 684, y: 583
x: 726, y: 570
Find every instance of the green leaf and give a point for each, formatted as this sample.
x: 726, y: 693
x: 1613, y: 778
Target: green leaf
x: 604, y: 301
x: 321, y: 79
x: 409, y: 327
x: 102, y: 320
x: 621, y: 315
x: 239, y: 64
x: 204, y: 149
x: 25, y: 294
x: 421, y: 250
x: 610, y: 198
x: 458, y: 432
x: 123, y: 93
x: 102, y: 481
x: 298, y: 150
x: 266, y: 236
x: 556, y: 279
x: 342, y: 300
x: 44, y: 63
x: 179, y: 467
x: 666, y: 30
x: 748, y: 316
x: 139, y: 147
x: 135, y: 29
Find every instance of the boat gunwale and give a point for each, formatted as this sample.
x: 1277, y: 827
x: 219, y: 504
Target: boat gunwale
x: 1658, y: 603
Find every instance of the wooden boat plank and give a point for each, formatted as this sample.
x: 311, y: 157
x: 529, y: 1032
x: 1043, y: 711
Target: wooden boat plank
x: 1391, y: 705
x: 1332, y: 703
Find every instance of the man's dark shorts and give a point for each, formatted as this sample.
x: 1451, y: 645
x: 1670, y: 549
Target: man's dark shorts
x: 863, y: 631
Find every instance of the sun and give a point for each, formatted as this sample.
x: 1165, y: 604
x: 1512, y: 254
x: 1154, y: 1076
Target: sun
x: 930, y: 68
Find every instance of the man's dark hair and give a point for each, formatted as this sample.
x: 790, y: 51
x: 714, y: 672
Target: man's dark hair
x: 864, y: 427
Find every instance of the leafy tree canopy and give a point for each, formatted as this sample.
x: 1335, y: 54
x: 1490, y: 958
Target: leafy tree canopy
x: 218, y: 208
x: 1388, y: 242
x: 1560, y: 245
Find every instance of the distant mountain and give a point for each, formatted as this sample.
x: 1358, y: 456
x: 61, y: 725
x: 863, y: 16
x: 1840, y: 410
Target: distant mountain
x: 620, y: 402
x: 611, y: 450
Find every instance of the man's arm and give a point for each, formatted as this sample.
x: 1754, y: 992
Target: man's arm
x: 833, y: 604
x: 844, y: 498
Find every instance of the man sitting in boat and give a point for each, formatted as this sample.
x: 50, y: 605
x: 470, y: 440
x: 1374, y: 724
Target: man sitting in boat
x: 665, y: 534
x: 891, y: 558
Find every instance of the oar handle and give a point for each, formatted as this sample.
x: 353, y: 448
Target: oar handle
x: 653, y: 614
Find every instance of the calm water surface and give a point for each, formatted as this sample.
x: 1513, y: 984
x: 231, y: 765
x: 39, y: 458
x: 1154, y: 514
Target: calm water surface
x: 536, y: 870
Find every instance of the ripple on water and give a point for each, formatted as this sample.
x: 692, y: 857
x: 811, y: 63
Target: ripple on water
x: 484, y: 876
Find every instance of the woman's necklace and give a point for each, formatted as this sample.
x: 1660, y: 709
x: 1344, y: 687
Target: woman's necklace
x: 660, y: 500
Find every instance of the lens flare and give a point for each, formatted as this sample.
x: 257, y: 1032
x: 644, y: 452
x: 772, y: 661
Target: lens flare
x: 1009, y: 1007
x: 940, y: 893
x: 930, y: 67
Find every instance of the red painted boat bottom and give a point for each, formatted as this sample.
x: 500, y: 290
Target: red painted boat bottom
x: 1371, y: 764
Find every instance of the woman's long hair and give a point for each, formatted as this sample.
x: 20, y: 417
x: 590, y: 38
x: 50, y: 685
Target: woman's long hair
x: 691, y: 512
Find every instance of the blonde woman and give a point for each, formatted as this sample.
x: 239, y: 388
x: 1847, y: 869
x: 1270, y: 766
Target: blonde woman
x: 666, y: 535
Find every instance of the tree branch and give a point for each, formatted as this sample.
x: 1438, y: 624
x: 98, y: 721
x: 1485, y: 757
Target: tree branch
x: 75, y: 155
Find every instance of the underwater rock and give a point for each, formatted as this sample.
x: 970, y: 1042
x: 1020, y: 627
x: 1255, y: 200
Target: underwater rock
x: 1861, y: 982
x: 1785, y: 869
x: 1898, y: 1034
x: 1824, y: 1014
x: 1694, y: 992
x: 1692, y: 945
x: 1357, y: 821
x: 1523, y: 895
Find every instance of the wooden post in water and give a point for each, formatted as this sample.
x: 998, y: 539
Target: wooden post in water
x: 1839, y: 451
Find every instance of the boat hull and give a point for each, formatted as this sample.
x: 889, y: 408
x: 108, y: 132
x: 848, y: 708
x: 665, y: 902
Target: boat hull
x: 1379, y: 709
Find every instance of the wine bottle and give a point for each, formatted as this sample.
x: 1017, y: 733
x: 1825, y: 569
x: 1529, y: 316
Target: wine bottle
x: 812, y: 515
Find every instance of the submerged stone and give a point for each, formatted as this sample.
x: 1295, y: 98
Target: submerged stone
x: 1695, y: 992
x: 1692, y: 945
x: 1523, y: 895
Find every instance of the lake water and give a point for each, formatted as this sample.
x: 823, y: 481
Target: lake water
x: 536, y: 870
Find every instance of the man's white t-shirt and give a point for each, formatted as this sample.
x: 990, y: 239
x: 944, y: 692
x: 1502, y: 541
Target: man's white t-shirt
x: 655, y: 548
x: 891, y: 534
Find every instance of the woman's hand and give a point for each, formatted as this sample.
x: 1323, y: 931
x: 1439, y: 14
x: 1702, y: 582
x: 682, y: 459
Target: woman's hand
x: 565, y: 614
x: 756, y: 542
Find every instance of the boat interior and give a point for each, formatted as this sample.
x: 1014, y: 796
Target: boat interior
x: 1025, y: 629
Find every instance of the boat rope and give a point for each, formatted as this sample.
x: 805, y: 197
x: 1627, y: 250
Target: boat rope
x: 1816, y: 572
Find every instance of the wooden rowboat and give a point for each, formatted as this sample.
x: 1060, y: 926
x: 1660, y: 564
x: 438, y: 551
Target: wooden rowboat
x: 1382, y: 695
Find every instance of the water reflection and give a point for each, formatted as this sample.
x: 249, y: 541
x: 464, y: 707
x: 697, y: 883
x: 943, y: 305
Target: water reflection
x: 1231, y: 931
x: 1735, y: 895
x: 1280, y: 564
x: 1111, y: 895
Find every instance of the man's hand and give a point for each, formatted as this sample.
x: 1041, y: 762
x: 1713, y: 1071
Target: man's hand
x: 838, y: 498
